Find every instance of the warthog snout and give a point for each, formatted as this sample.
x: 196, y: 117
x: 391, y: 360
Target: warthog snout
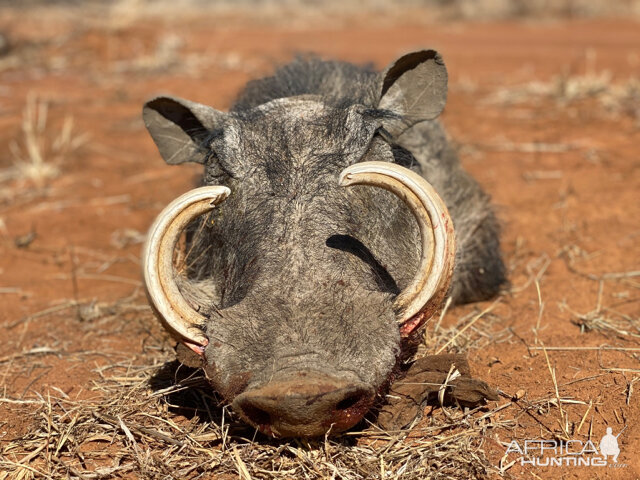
x: 305, y: 405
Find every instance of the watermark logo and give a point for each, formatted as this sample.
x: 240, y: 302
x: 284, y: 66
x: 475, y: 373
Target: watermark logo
x: 570, y: 453
x: 609, y: 445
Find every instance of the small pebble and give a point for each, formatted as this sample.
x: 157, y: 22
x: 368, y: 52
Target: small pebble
x: 519, y: 394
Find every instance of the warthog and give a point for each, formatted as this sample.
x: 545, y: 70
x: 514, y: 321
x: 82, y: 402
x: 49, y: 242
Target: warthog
x: 303, y: 297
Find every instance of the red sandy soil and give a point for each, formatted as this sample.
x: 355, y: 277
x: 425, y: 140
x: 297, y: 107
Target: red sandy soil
x: 576, y: 205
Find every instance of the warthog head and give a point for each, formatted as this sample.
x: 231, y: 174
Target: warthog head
x: 320, y: 250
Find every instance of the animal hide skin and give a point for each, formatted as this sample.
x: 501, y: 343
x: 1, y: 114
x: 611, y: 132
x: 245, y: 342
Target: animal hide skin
x: 422, y: 383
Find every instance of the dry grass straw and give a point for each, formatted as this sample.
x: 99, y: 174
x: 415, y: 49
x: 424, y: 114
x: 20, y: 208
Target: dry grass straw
x: 605, y: 320
x: 460, y: 331
x: 298, y: 12
x: 38, y: 154
x: 621, y: 97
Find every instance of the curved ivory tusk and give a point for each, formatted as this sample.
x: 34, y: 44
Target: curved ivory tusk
x: 165, y: 297
x: 427, y: 290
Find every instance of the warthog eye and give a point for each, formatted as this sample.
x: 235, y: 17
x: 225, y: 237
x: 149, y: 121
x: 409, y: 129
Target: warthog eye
x: 347, y: 243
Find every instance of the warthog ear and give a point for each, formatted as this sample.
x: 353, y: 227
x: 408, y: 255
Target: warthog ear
x: 414, y: 87
x: 180, y: 127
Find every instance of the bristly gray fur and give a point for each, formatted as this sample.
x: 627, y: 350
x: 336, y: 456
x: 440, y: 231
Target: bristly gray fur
x: 334, y: 81
x: 295, y: 272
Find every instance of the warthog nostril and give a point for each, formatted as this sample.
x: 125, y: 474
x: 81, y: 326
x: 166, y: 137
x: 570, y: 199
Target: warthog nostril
x: 351, y: 401
x: 256, y: 415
